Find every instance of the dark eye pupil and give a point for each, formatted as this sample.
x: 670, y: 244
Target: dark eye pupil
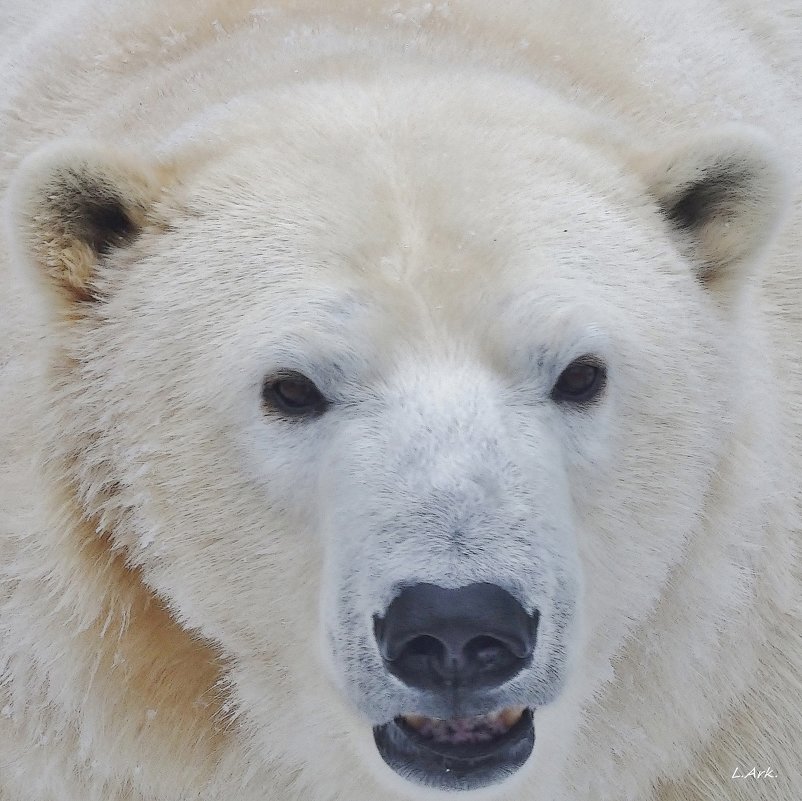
x: 295, y: 393
x: 579, y: 378
x: 580, y: 381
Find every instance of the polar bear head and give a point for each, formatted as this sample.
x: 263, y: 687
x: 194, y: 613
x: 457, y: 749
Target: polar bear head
x: 409, y: 404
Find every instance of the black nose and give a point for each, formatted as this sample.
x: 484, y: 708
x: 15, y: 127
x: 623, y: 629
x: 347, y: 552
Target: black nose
x: 475, y: 636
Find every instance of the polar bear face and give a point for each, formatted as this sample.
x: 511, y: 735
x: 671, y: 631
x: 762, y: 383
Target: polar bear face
x: 369, y: 369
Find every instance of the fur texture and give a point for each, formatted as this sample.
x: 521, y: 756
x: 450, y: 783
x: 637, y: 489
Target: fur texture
x: 429, y: 210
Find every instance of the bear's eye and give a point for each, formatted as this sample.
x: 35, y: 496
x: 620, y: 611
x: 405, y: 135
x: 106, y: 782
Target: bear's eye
x: 294, y: 395
x: 581, y: 381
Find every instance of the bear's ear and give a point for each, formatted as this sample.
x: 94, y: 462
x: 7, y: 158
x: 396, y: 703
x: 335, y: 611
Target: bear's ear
x: 71, y: 205
x: 724, y: 193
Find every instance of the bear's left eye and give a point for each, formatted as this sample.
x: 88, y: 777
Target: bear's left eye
x: 581, y: 381
x: 294, y: 395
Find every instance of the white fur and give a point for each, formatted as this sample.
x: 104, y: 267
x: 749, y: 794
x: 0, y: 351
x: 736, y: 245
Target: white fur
x: 430, y: 210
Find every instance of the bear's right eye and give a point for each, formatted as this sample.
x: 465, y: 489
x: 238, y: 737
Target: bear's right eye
x: 581, y: 381
x: 293, y: 395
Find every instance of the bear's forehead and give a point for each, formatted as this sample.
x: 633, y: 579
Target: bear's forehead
x: 421, y: 212
x: 403, y: 156
x: 433, y: 222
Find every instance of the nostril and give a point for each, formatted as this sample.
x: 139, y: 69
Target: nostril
x: 425, y: 647
x: 488, y: 654
x: 422, y: 647
x: 417, y: 652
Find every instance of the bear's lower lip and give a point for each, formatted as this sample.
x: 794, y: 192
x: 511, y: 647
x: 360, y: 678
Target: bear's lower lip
x: 460, y: 754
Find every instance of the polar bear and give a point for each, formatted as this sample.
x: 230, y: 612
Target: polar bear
x: 400, y: 401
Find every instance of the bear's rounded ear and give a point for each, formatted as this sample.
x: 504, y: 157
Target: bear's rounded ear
x: 71, y: 205
x: 724, y: 193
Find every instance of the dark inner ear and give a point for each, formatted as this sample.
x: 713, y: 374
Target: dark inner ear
x: 107, y: 225
x: 713, y: 194
x: 96, y: 214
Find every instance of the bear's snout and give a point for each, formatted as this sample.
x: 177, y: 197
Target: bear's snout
x: 474, y: 637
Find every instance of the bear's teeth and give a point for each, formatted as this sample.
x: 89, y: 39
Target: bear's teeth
x: 500, y: 721
x: 509, y: 717
x: 416, y: 721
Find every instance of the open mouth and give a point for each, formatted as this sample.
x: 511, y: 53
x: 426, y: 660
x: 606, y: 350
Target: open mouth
x: 458, y: 754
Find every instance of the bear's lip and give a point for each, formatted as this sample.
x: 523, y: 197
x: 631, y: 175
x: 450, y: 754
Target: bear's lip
x: 457, y: 754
